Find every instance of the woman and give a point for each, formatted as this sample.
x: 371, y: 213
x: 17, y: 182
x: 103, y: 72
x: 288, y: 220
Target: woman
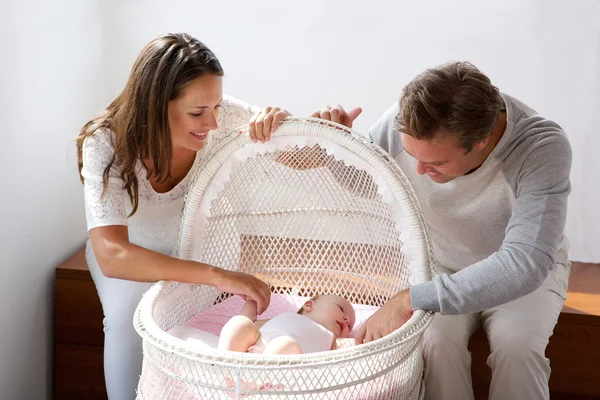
x: 136, y: 160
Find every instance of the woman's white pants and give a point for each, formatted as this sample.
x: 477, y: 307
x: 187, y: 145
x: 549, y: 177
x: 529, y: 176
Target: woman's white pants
x: 122, y: 344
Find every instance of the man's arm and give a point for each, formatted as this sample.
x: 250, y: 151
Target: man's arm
x: 533, y: 237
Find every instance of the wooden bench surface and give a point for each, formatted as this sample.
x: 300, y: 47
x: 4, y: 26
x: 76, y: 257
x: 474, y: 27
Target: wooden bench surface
x: 584, y: 290
x: 75, y: 267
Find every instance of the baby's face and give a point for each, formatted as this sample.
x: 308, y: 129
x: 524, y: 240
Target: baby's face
x: 333, y: 312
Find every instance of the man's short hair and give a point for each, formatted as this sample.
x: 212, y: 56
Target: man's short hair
x: 454, y: 100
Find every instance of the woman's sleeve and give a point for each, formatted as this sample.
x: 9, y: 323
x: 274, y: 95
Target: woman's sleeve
x: 234, y: 113
x: 110, y: 209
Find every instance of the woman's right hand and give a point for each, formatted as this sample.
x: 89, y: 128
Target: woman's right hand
x: 265, y: 122
x: 244, y: 285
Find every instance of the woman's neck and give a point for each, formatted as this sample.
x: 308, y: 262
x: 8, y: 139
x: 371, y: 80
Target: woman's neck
x: 182, y: 162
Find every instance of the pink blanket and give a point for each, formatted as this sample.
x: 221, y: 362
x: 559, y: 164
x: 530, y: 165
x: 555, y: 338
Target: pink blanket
x: 214, y: 318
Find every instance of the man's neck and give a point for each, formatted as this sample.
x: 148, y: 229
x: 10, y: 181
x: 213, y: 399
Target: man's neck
x: 494, y: 140
x: 496, y: 135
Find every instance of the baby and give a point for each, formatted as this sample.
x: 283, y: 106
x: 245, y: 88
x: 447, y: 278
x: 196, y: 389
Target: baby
x: 321, y: 324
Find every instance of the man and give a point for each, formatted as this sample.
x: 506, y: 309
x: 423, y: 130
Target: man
x: 492, y: 177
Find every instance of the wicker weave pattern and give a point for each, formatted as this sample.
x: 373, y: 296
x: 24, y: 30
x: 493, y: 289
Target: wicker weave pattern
x: 317, y: 210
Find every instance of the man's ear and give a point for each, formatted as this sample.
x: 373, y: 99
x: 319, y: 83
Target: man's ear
x: 481, y: 144
x: 308, y: 306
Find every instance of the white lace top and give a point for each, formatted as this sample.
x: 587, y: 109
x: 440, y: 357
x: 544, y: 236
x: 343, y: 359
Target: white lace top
x: 155, y: 225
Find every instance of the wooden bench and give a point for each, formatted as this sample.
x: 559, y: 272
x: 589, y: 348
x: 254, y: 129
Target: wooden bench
x: 78, y: 334
x: 574, y: 349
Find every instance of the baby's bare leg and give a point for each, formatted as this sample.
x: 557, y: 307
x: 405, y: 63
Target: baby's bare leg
x: 283, y: 345
x: 238, y: 334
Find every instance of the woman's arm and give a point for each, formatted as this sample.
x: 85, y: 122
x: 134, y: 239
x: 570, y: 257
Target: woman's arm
x: 118, y: 258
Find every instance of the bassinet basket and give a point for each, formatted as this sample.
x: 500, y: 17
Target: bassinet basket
x: 317, y: 209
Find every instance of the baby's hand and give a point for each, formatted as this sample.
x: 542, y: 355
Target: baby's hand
x: 341, y: 343
x: 250, y: 310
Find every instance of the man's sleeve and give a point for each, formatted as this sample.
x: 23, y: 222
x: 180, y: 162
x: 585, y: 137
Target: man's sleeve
x: 384, y: 133
x: 533, y: 237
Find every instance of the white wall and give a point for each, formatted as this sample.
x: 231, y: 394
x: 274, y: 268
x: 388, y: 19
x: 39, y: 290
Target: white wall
x: 50, y: 74
x: 63, y: 61
x: 302, y: 55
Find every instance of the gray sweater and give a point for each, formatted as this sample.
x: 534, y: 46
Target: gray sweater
x: 499, y: 230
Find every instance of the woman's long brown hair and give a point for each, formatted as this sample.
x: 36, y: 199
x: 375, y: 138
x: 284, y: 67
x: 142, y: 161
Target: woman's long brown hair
x: 138, y: 117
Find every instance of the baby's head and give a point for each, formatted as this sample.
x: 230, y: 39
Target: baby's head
x: 333, y: 312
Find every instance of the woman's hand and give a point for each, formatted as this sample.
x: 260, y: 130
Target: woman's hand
x: 244, y: 285
x: 265, y: 122
x: 338, y: 114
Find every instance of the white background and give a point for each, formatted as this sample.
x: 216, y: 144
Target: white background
x: 63, y: 61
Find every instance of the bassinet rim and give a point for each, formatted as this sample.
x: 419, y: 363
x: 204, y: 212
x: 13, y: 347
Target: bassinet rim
x: 207, y: 355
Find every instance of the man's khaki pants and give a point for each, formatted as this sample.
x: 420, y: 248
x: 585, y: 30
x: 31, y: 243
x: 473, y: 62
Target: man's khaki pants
x: 518, y: 332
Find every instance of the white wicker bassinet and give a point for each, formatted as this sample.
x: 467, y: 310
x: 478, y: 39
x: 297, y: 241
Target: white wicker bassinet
x: 318, y: 209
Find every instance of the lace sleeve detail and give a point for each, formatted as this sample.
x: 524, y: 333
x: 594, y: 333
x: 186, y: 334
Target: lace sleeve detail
x: 110, y: 209
x: 234, y: 113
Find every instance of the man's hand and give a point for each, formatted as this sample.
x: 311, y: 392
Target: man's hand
x: 338, y: 114
x: 391, y: 316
